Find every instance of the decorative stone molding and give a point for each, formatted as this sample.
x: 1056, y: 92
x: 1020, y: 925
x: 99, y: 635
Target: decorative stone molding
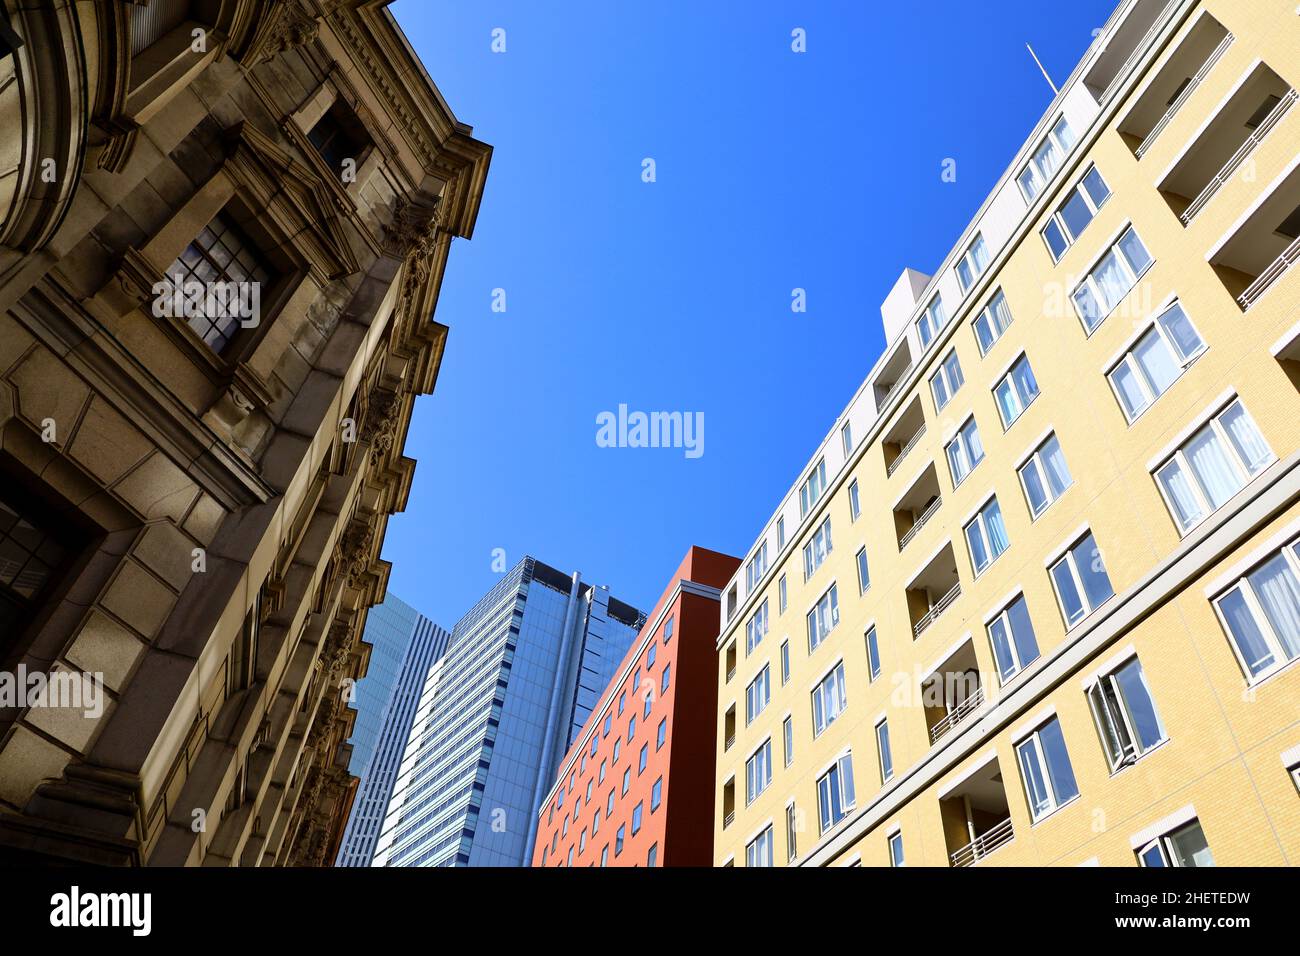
x: 286, y: 27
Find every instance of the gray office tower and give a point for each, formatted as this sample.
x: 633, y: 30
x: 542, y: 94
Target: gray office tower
x: 520, y: 677
x: 404, y: 645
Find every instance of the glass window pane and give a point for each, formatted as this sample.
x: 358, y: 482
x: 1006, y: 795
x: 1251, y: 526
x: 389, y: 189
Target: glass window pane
x: 1071, y: 601
x: 1088, y: 307
x: 1058, y: 761
x: 1250, y: 444
x: 1008, y: 403
x: 1178, y: 490
x: 1022, y: 632
x: 1112, y: 281
x: 1137, y: 701
x: 979, y: 557
x: 1179, y: 328
x: 1035, y: 493
x: 1076, y: 214
x: 1136, y: 253
x: 1088, y: 564
x: 1097, y: 189
x: 1002, y: 649
x: 1035, y: 786
x: 1053, y: 461
x: 1129, y: 389
x: 1254, y: 649
x: 1055, y: 239
x: 1278, y: 592
x: 1190, y: 847
x: 1026, y: 384
x: 1215, y: 474
x: 1156, y: 362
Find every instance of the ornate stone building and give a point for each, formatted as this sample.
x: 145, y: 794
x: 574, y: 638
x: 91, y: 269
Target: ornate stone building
x: 223, y: 228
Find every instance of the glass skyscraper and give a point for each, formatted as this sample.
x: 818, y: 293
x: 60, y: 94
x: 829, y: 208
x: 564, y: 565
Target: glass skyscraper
x: 404, y: 645
x: 522, y: 672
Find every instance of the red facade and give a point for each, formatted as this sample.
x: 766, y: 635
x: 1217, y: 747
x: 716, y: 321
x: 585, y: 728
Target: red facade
x: 668, y: 680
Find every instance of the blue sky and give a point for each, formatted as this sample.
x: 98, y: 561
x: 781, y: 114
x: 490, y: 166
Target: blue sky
x: 774, y: 170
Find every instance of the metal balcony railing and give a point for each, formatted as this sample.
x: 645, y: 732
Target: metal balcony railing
x: 959, y: 713
x: 998, y: 835
x: 729, y: 819
x: 940, y: 606
x: 730, y: 740
x: 892, y: 387
x: 731, y: 672
x: 1254, y: 139
x: 1289, y: 257
x: 1178, y: 102
x: 921, y: 520
x: 911, y: 443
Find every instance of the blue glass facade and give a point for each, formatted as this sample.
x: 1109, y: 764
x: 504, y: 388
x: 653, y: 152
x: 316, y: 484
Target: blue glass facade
x: 404, y: 645
x: 523, y: 669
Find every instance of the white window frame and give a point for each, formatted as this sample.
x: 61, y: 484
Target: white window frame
x: 1057, y: 218
x: 942, y: 387
x: 1128, y: 359
x: 884, y: 750
x: 1272, y: 639
x: 1232, y: 453
x: 817, y: 615
x: 846, y: 438
x: 828, y: 689
x: 787, y: 739
x: 1008, y: 377
x: 762, y: 683
x: 931, y: 321
x: 1035, y: 461
x: 855, y: 503
x: 759, y: 851
x: 818, y: 549
x: 781, y: 595
x: 979, y: 522
x: 756, y: 567
x: 785, y: 662
x: 764, y: 749
x: 812, y: 489
x: 1040, y: 755
x: 864, y: 570
x: 970, y: 262
x: 960, y: 442
x: 1067, y: 555
x: 756, y: 628
x: 847, y: 795
x: 1110, y: 714
x: 872, y: 640
x: 987, y: 315
x: 894, y: 840
x: 1042, y: 177
x: 1003, y: 617
x: 1132, y: 275
x: 1164, y: 844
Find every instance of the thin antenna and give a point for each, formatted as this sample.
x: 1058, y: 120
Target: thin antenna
x: 1055, y: 91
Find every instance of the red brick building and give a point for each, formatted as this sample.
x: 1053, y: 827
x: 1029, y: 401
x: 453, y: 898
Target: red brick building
x: 636, y: 788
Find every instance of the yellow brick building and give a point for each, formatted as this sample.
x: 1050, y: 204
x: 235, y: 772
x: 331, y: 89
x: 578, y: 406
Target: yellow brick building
x: 1066, y: 634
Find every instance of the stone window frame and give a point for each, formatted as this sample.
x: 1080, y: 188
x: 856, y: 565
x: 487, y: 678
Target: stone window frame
x: 287, y: 211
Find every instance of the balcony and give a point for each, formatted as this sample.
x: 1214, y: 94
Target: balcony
x: 891, y: 373
x: 952, y: 693
x: 976, y: 817
x: 729, y: 803
x: 918, y: 505
x: 903, y: 435
x: 1174, y: 84
x: 1256, y: 107
x: 1126, y: 44
x: 933, y: 591
x: 1265, y: 246
x: 730, y: 661
x: 729, y: 728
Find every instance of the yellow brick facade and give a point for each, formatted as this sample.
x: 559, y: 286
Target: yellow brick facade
x: 1227, y: 736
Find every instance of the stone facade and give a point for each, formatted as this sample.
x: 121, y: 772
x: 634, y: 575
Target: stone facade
x: 208, y: 505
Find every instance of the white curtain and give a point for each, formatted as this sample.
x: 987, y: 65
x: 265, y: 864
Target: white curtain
x: 1214, y: 472
x: 1279, y: 594
x: 1254, y: 451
